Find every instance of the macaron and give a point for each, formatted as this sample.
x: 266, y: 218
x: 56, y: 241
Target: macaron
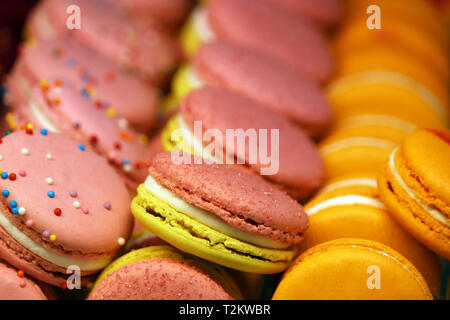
x: 415, y: 186
x: 355, y: 36
x: 349, y: 207
x: 352, y: 269
x: 59, y: 107
x: 295, y: 164
x: 260, y: 78
x: 220, y: 214
x: 163, y: 273
x: 387, y: 93
x: 256, y: 23
x: 127, y: 95
x: 62, y: 205
x: 112, y: 32
x: 170, y: 13
x: 322, y: 12
x: 390, y: 59
x: 362, y: 144
x: 14, y: 285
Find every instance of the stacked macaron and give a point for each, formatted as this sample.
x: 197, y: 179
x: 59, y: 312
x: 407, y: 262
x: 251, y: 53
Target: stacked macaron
x: 388, y: 82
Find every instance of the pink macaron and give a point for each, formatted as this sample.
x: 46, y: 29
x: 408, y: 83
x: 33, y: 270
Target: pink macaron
x: 59, y: 107
x: 63, y: 58
x: 266, y: 81
x: 322, y: 12
x: 170, y: 13
x: 261, y: 25
x: 61, y: 206
x: 14, y: 285
x: 111, y: 31
x: 298, y: 169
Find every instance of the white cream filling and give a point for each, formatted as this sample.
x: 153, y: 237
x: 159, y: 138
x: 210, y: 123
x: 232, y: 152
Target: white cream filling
x: 347, y: 200
x: 348, y: 183
x: 36, y: 110
x: 207, y: 218
x: 55, y: 258
x: 396, y: 79
x: 195, y: 143
x: 193, y: 80
x: 377, y: 120
x: 436, y: 214
x: 356, y: 141
x: 201, y: 25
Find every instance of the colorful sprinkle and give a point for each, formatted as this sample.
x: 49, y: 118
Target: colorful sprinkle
x: 73, y: 194
x: 51, y: 194
x: 49, y: 156
x: 20, y: 273
x: 52, y: 237
x: 13, y: 204
x: 15, y: 211
x: 117, y: 145
x: 85, y: 210
x: 57, y: 212
x: 107, y: 205
x: 5, y: 193
x: 121, y: 241
x: 44, y: 132
x: 1, y: 157
x: 29, y: 223
x: 110, y: 112
x: 93, y: 139
x: 4, y: 175
x: 127, y: 168
x: 81, y: 147
x: 76, y: 204
x: 123, y: 123
x: 22, y: 284
x: 85, y: 93
x: 22, y: 211
x: 25, y: 152
x: 12, y: 177
x: 22, y: 173
x: 30, y: 126
x: 49, y: 181
x: 46, y: 234
x: 29, y: 132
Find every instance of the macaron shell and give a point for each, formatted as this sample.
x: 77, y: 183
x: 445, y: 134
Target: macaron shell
x: 339, y: 269
x: 226, y: 65
x: 65, y: 59
x: 258, y: 22
x: 13, y: 287
x: 223, y: 110
x: 31, y: 192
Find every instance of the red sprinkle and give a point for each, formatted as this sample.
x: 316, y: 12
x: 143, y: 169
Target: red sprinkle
x: 57, y: 212
x: 12, y: 176
x: 63, y: 286
x: 29, y: 131
x: 20, y: 274
x: 93, y: 139
x: 117, y: 146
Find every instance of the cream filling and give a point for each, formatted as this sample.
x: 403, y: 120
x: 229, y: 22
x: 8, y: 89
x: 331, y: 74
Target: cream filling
x: 347, y: 200
x: 194, y: 142
x: 436, y: 214
x: 348, y: 183
x: 356, y: 141
x: 201, y: 25
x: 193, y: 80
x: 396, y: 79
x: 36, y: 110
x: 55, y: 258
x: 377, y: 120
x: 207, y: 218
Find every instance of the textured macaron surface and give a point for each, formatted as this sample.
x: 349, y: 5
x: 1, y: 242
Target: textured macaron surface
x: 62, y: 195
x: 15, y: 287
x: 243, y: 200
x: 222, y: 110
x: 100, y: 78
x: 257, y: 23
x: 266, y: 81
x: 159, y: 279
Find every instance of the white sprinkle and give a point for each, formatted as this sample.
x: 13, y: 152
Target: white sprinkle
x: 22, y: 211
x: 127, y: 168
x: 1, y: 157
x: 49, y: 156
x: 49, y: 181
x: 76, y: 205
x: 123, y: 123
x: 25, y: 151
x: 121, y: 241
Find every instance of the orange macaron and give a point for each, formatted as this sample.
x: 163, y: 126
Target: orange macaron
x: 415, y: 186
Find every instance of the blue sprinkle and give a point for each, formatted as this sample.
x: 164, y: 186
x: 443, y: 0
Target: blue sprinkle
x: 44, y: 132
x: 126, y: 161
x: 3, y: 91
x: 71, y: 63
x: 5, y: 193
x: 13, y: 204
x: 51, y: 194
x: 85, y: 94
x: 81, y: 147
x: 15, y: 211
x: 4, y: 175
